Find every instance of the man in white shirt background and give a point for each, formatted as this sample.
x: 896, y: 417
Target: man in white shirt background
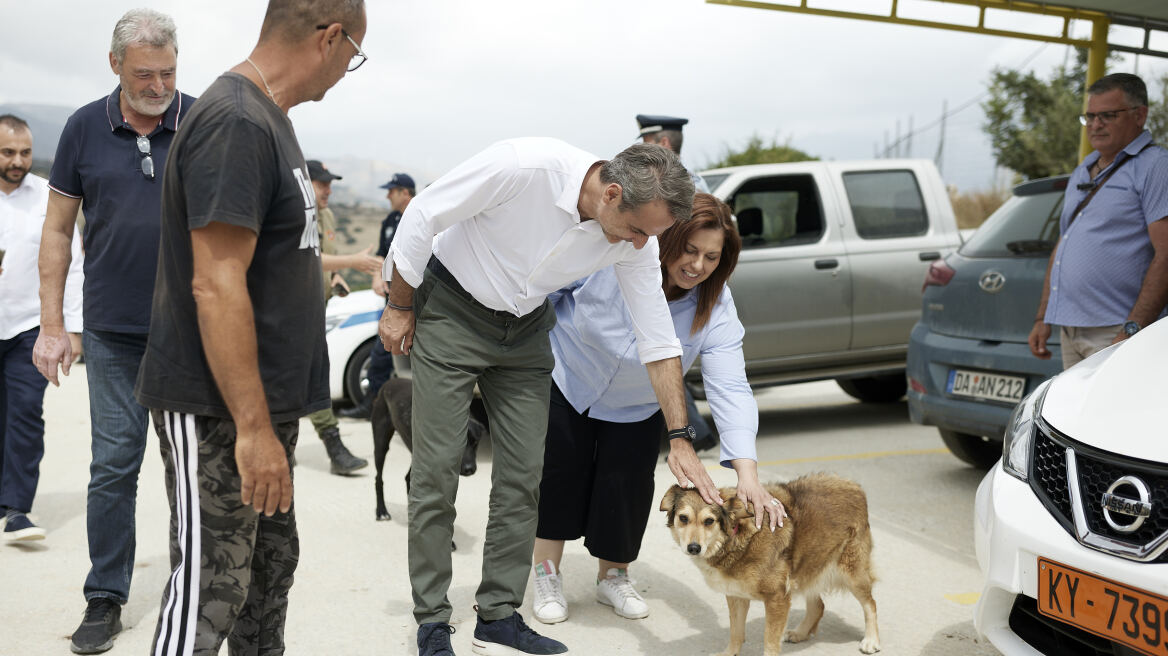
x: 484, y: 245
x: 23, y: 199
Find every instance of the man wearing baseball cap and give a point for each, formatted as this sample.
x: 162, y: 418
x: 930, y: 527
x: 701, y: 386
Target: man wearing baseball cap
x: 341, y: 461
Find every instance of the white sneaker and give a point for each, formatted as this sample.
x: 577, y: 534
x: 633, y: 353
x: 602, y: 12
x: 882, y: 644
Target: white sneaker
x: 617, y: 591
x: 549, y: 605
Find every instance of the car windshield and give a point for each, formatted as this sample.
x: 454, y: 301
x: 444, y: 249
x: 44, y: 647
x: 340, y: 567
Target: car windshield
x: 713, y: 180
x: 1026, y: 226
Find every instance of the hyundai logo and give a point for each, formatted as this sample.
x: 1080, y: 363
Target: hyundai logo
x: 991, y: 281
x: 1117, y: 508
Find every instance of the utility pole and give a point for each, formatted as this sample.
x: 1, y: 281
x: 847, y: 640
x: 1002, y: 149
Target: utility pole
x: 938, y: 158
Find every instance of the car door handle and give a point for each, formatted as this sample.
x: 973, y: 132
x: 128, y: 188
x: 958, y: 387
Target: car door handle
x: 929, y: 256
x: 826, y: 264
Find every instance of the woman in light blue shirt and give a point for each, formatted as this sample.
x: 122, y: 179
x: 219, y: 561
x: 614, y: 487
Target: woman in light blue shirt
x: 605, y: 424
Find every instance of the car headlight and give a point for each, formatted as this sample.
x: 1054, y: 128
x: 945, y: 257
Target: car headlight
x: 332, y: 322
x: 1020, y: 433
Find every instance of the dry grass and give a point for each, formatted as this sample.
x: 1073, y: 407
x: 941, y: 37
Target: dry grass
x: 973, y: 207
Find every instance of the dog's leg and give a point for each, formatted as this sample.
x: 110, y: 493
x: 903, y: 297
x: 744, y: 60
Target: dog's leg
x: 777, y: 608
x: 856, y: 566
x: 810, y: 621
x: 863, y: 592
x: 383, y: 429
x: 738, y: 607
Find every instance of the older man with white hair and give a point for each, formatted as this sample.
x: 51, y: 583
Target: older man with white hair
x: 109, y: 163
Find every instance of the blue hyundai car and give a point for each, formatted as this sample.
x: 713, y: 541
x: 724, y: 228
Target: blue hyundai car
x: 969, y: 363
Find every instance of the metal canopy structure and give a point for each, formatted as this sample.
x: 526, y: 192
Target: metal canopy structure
x: 1150, y: 16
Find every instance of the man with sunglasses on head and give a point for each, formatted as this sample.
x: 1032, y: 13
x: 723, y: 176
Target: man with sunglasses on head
x: 1108, y: 275
x: 236, y: 354
x: 109, y: 163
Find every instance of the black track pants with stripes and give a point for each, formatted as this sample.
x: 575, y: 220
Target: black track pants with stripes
x: 231, y: 567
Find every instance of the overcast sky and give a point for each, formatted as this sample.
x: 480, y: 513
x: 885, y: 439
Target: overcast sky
x: 445, y: 78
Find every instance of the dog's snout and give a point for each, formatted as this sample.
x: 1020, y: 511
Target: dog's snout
x: 468, y: 469
x: 693, y: 548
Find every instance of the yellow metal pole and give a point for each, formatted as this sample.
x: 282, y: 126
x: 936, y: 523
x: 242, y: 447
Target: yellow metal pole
x: 1096, y: 68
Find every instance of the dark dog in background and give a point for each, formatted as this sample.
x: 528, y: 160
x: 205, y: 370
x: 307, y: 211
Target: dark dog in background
x: 392, y: 413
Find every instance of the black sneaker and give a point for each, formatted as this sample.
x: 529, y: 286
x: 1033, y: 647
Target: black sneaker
x: 102, y: 622
x: 19, y: 528
x: 434, y: 639
x: 511, y: 636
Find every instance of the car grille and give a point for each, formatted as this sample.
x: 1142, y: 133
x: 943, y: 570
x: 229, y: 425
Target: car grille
x: 1097, y: 470
x: 1051, y: 636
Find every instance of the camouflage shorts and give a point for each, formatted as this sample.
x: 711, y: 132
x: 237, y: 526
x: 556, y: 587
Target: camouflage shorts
x: 245, y: 561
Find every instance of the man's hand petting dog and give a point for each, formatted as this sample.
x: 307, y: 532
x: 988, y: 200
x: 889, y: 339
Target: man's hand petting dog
x: 690, y: 472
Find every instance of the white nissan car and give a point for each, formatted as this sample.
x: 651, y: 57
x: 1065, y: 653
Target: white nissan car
x: 1072, y: 524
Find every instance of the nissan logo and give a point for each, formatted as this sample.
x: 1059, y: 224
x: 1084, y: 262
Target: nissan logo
x: 1118, y: 509
x: 991, y: 281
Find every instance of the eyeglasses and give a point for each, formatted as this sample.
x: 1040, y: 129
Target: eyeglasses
x: 1106, y: 117
x: 147, y: 160
x: 358, y: 58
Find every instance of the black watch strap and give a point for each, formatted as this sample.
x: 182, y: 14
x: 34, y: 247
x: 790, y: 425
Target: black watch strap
x: 688, y: 432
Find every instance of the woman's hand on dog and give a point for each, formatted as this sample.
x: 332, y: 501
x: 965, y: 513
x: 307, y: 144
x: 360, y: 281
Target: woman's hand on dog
x: 752, y: 492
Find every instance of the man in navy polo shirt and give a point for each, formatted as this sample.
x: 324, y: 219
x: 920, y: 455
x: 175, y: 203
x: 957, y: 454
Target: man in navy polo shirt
x: 109, y: 162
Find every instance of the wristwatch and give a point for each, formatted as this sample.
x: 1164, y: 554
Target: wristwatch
x: 1130, y: 328
x: 688, y: 432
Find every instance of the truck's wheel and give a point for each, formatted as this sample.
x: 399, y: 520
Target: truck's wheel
x: 981, y: 452
x: 875, y: 389
x: 357, y: 373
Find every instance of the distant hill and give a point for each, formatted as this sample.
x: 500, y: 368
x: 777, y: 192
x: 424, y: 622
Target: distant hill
x: 362, y: 177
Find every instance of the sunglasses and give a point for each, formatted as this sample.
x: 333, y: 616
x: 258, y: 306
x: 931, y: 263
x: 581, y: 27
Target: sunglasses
x: 147, y: 161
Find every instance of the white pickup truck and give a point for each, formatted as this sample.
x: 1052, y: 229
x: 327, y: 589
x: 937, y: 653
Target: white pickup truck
x: 834, y: 255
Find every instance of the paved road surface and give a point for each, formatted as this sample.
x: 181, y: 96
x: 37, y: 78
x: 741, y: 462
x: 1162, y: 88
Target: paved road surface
x: 352, y: 591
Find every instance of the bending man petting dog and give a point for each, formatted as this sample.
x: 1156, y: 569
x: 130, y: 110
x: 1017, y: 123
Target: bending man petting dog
x: 484, y: 246
x: 604, y: 423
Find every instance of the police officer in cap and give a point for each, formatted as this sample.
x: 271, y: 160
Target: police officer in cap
x: 665, y: 131
x: 400, y: 191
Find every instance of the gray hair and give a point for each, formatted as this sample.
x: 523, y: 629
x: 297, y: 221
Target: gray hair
x: 1135, y: 92
x: 146, y: 27
x: 647, y: 172
x: 293, y: 20
x: 14, y: 123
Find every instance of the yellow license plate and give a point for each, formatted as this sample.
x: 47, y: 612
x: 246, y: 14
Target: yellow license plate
x: 1112, y: 610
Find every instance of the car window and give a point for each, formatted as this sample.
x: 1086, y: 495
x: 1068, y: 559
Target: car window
x: 886, y: 204
x: 1024, y: 225
x: 713, y: 180
x: 781, y: 210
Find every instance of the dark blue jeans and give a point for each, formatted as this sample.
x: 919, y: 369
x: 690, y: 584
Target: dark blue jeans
x: 119, y: 442
x: 380, y: 367
x: 22, y: 424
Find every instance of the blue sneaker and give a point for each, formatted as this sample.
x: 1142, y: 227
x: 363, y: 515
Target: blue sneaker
x: 19, y: 528
x: 511, y: 637
x: 434, y: 639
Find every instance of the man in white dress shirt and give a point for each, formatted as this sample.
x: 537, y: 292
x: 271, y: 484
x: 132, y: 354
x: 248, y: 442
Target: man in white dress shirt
x: 484, y: 246
x: 23, y: 199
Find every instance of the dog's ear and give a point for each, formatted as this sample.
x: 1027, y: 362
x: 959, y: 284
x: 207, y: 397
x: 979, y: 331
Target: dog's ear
x: 738, y: 508
x: 669, y: 503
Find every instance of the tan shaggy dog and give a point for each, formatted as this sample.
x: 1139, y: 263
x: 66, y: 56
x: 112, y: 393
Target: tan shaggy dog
x: 824, y: 545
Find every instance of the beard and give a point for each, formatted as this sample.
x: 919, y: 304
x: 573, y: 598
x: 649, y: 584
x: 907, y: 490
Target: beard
x: 147, y: 105
x: 15, y: 174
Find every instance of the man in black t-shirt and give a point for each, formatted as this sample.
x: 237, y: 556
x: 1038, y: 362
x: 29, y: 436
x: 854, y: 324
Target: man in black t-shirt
x: 236, y: 353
